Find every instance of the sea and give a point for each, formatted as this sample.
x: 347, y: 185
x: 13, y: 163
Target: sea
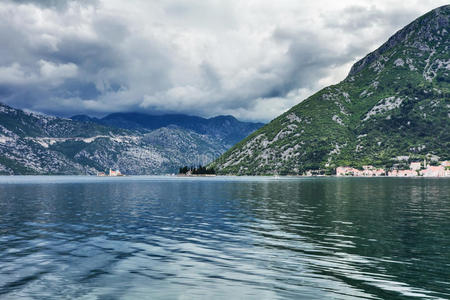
x: 150, y: 237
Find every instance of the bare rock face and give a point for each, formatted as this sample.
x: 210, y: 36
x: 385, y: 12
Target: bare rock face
x: 395, y: 102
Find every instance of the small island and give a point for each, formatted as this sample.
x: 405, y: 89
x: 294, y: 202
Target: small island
x: 196, y: 171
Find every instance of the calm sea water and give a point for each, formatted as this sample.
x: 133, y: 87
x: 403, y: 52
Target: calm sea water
x: 224, y: 238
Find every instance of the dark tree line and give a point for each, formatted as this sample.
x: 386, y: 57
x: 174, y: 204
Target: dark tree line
x: 200, y: 170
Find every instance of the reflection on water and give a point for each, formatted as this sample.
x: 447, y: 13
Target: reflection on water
x: 235, y: 238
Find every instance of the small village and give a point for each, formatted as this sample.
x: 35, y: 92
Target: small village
x: 416, y: 169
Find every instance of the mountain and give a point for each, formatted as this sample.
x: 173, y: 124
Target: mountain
x: 32, y: 143
x: 394, y: 105
x: 227, y: 129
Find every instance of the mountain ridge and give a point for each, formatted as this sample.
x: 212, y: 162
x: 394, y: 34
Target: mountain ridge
x: 226, y: 128
x: 397, y: 38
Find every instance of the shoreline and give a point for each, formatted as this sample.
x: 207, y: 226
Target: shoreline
x: 210, y: 176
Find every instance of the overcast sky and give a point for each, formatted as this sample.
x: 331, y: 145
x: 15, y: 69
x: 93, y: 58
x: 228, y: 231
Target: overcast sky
x: 253, y: 59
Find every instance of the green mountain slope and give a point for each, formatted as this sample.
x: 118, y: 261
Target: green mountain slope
x: 393, y: 105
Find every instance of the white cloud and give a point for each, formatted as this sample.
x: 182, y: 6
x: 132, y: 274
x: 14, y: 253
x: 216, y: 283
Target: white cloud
x: 14, y: 74
x: 53, y: 71
x: 253, y: 59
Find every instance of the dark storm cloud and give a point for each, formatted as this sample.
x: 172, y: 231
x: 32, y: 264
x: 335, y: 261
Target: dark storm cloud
x: 206, y: 58
x: 56, y: 4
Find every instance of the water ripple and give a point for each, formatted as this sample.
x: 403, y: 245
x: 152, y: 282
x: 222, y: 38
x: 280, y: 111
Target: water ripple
x: 241, y: 238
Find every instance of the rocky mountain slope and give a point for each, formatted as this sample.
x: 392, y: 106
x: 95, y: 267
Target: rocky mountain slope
x: 32, y: 143
x: 394, y: 105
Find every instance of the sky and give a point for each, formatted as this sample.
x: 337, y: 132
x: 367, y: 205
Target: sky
x: 252, y: 59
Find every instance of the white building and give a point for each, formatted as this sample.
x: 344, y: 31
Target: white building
x: 415, y: 166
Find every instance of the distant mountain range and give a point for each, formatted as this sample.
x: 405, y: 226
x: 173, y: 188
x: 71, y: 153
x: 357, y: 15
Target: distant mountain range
x: 134, y: 143
x: 226, y: 129
x: 393, y: 106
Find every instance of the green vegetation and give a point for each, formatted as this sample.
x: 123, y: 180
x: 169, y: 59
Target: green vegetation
x: 14, y: 165
x: 200, y: 170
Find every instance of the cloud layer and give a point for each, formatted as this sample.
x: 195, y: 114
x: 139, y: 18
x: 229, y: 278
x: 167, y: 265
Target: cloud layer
x: 252, y: 59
